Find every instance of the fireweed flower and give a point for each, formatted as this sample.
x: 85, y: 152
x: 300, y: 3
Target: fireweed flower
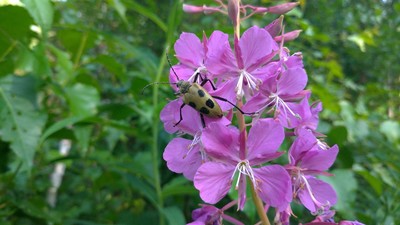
x: 246, y: 68
x: 307, y: 116
x: 306, y: 159
x: 200, y: 57
x: 213, y: 179
x: 260, y: 73
x: 183, y: 155
x: 287, y: 85
x: 209, y: 214
x: 326, y: 218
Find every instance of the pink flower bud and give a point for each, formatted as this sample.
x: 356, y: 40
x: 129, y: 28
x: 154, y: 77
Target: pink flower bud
x: 192, y: 8
x: 278, y: 9
x: 290, y: 36
x: 233, y: 10
x: 275, y: 27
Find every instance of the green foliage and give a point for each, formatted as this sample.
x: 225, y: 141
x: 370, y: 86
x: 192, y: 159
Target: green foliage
x: 80, y: 75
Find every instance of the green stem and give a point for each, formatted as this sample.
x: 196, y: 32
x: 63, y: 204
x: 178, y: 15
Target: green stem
x: 80, y: 49
x: 242, y: 128
x: 154, y: 150
x: 259, y: 206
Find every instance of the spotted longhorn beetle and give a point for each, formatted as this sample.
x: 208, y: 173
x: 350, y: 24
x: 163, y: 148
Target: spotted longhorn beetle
x: 198, y: 98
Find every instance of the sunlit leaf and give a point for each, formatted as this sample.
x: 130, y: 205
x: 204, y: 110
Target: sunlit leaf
x: 83, y: 100
x: 21, y: 123
x: 42, y: 11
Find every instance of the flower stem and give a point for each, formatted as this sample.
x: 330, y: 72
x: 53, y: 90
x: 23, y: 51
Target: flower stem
x: 154, y: 149
x: 259, y: 206
x: 256, y: 199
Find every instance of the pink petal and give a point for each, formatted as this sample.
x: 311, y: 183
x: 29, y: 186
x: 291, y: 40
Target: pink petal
x: 168, y: 116
x: 275, y: 27
x: 189, y: 50
x: 180, y: 160
x: 264, y: 139
x: 254, y: 44
x: 292, y: 82
x: 274, y: 186
x: 322, y: 192
x: 227, y: 91
x: 213, y: 180
x: 182, y: 71
x: 304, y: 142
x: 221, y: 142
x: 256, y: 103
x: 218, y: 50
x: 320, y: 160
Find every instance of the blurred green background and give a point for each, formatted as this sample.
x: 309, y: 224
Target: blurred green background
x: 71, y: 72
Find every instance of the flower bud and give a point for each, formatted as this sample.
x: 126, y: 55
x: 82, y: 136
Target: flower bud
x: 278, y: 9
x: 192, y: 8
x: 233, y: 10
x: 290, y: 36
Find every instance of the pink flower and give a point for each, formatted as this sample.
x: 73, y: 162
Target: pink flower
x: 246, y: 68
x: 306, y: 115
x: 183, y: 155
x: 200, y: 57
x: 305, y: 159
x: 213, y: 179
x: 287, y: 85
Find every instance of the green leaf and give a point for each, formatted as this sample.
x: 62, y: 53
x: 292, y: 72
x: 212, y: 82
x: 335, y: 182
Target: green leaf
x: 174, y: 216
x: 20, y: 123
x: 179, y: 186
x: 83, y: 100
x: 391, y: 129
x: 76, y: 42
x: 58, y: 126
x: 64, y: 66
x: 83, y: 135
x: 147, y: 13
x: 113, y: 66
x: 345, y: 190
x: 120, y: 8
x: 42, y: 11
x: 12, y: 28
x: 375, y: 182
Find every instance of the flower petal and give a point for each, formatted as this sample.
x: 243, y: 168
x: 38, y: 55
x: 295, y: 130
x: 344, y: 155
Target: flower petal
x: 264, y: 139
x: 189, y: 50
x: 221, y: 142
x: 219, y: 56
x: 180, y: 160
x: 274, y: 186
x: 304, y: 142
x: 292, y: 82
x: 320, y: 160
x: 255, y: 44
x: 213, y: 180
x: 323, y: 193
x: 227, y: 90
x: 168, y: 116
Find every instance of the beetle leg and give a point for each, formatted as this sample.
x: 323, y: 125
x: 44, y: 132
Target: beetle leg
x: 226, y: 100
x: 197, y: 77
x: 180, y: 114
x: 202, y: 120
x: 205, y: 81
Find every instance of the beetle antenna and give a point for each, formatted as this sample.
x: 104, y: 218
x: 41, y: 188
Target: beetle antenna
x: 153, y: 84
x: 170, y: 65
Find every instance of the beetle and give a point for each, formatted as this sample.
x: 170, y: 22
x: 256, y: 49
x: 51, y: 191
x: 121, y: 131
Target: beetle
x: 194, y: 95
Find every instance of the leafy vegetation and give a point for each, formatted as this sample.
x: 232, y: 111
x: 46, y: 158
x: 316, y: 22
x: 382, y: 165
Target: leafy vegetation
x: 73, y: 71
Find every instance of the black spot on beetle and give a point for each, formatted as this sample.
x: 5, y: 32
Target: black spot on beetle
x: 204, y: 110
x: 201, y: 93
x: 192, y: 104
x: 210, y: 103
